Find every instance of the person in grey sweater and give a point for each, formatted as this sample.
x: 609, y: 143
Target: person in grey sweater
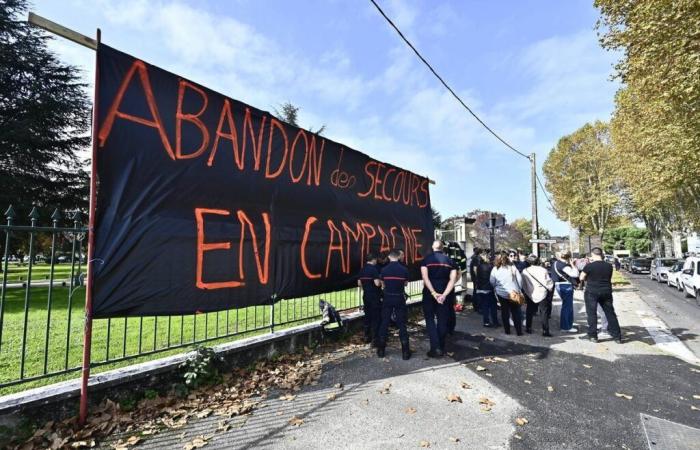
x: 505, y: 279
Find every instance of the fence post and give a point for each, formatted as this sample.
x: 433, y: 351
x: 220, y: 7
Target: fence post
x: 10, y: 215
x: 34, y: 216
x: 273, y: 297
x: 87, y: 340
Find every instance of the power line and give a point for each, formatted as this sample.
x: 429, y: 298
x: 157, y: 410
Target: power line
x: 454, y: 94
x: 544, y: 191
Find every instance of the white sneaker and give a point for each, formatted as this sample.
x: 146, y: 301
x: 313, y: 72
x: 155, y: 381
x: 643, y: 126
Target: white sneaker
x: 571, y: 330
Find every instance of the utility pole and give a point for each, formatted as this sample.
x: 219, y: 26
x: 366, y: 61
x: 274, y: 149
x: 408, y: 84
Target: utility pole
x: 533, y: 187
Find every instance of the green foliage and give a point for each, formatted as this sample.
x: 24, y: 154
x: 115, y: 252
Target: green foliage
x: 44, y: 120
x: 636, y: 240
x: 656, y: 124
x: 437, y: 218
x: 524, y: 226
x: 202, y: 368
x: 290, y: 114
x: 150, y: 394
x: 581, y: 173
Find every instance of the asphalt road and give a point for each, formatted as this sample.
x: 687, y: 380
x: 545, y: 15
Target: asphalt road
x: 681, y: 314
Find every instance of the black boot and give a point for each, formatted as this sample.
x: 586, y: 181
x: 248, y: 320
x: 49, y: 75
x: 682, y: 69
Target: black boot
x: 405, y: 351
x: 381, y: 349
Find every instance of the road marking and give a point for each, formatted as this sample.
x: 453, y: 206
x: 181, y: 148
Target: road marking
x: 665, y: 339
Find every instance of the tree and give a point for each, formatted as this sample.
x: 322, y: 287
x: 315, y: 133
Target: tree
x: 290, y: 114
x: 636, y: 240
x: 507, y: 236
x: 581, y: 174
x: 656, y: 123
x: 437, y: 218
x: 524, y: 226
x: 44, y: 120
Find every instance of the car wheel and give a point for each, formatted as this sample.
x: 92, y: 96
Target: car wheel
x: 680, y: 287
x: 688, y: 295
x: 697, y: 298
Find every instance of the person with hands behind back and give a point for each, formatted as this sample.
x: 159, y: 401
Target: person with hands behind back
x: 439, y: 275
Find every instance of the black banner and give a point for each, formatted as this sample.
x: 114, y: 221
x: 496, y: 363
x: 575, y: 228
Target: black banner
x: 205, y: 203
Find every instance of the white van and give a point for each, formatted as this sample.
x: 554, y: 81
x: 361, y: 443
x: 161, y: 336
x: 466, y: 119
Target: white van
x: 690, y: 278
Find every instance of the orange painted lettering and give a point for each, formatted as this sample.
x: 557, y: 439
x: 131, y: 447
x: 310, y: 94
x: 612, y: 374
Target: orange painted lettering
x: 274, y: 123
x: 113, y: 111
x: 226, y: 117
x: 307, y: 230
x: 208, y: 246
x: 192, y: 118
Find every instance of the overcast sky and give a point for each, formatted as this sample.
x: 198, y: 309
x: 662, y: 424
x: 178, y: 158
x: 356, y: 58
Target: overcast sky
x: 533, y: 70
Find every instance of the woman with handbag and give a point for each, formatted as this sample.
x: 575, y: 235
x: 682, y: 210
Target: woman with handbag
x: 539, y: 291
x: 507, y: 283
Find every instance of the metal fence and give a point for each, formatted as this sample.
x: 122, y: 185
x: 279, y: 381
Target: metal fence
x: 42, y: 313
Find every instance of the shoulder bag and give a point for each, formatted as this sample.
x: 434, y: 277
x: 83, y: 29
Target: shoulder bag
x: 516, y: 297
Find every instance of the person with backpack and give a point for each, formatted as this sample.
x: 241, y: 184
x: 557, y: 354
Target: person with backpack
x: 539, y: 291
x: 565, y: 277
x: 507, y: 283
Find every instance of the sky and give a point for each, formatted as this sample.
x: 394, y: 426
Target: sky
x: 532, y: 70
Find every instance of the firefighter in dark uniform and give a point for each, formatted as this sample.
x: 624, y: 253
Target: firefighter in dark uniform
x: 439, y: 274
x: 371, y: 298
x: 393, y: 279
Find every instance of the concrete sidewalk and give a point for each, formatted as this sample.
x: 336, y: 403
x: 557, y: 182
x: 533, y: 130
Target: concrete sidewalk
x: 565, y: 387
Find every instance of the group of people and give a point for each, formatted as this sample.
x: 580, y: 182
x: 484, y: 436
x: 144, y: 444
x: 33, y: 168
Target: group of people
x: 513, y: 279
x: 509, y: 279
x: 384, y: 299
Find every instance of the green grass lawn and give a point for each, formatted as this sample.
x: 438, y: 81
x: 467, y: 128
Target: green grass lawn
x: 40, y: 272
x: 119, y: 337
x: 618, y: 279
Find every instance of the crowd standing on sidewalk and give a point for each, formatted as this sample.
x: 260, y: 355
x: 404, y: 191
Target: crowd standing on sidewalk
x: 509, y: 281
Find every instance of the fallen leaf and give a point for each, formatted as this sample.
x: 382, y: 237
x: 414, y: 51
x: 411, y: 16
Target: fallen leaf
x: 521, y: 421
x: 499, y: 359
x: 454, y: 398
x: 288, y: 397
x: 338, y: 385
x: 331, y: 397
x: 385, y: 389
x: 424, y: 444
x: 693, y: 408
x: 197, y: 442
x: 454, y: 439
x: 411, y: 410
x: 365, y: 402
x: 528, y: 382
x: 517, y: 436
x: 550, y: 388
x: 587, y: 366
x: 625, y: 396
x: 133, y: 440
x: 450, y: 354
x: 296, y: 421
x: 588, y: 382
x: 486, y: 403
x: 489, y: 339
x: 696, y: 397
x: 466, y: 385
x: 480, y: 368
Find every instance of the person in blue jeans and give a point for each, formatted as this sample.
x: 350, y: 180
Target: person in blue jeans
x: 484, y: 292
x: 564, y: 274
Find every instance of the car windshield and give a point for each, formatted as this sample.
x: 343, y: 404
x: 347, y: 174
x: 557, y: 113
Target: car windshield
x: 641, y: 262
x: 668, y: 262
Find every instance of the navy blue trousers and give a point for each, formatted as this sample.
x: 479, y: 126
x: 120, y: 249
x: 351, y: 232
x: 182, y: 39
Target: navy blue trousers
x: 396, y: 305
x: 437, y: 318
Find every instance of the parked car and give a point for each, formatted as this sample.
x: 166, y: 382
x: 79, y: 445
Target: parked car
x: 674, y: 276
x: 640, y: 265
x: 690, y: 278
x: 660, y: 267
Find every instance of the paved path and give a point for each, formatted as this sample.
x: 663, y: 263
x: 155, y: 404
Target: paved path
x: 564, y: 386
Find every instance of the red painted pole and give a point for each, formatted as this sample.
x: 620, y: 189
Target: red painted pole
x: 87, y: 336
